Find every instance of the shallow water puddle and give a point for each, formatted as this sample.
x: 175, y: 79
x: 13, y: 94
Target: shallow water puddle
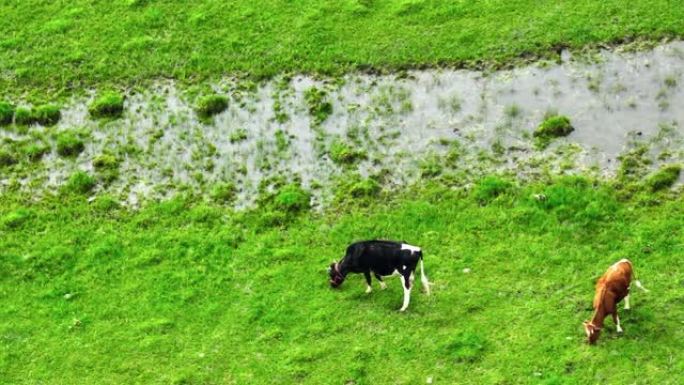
x: 421, y: 125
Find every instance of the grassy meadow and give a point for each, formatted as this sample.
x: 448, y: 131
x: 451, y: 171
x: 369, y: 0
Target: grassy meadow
x: 191, y: 291
x: 62, y: 47
x: 186, y: 292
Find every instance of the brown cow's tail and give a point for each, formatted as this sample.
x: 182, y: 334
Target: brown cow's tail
x: 637, y: 282
x: 640, y: 286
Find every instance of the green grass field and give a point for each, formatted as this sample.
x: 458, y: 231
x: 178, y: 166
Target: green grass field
x: 62, y: 47
x: 182, y: 292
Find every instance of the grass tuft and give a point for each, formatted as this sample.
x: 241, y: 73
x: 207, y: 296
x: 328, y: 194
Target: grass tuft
x: 6, y: 113
x: 108, y: 105
x: 552, y: 127
x: 465, y: 347
x: 319, y: 106
x: 292, y: 198
x: 15, y: 219
x: 664, y: 178
x: 107, y: 167
x: 7, y: 158
x: 35, y: 151
x: 343, y: 153
x: 69, y: 144
x: 211, y: 105
x: 47, y: 115
x: 490, y: 188
x: 223, y: 192
x: 80, y: 182
x: 23, y: 116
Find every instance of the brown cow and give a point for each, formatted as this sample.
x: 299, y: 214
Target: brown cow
x: 611, y: 288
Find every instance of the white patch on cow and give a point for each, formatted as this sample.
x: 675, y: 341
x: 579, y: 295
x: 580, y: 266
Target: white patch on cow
x: 627, y: 302
x: 413, y: 249
x: 407, y: 294
x: 403, y: 267
x: 368, y: 289
x: 383, y: 285
x: 619, y: 329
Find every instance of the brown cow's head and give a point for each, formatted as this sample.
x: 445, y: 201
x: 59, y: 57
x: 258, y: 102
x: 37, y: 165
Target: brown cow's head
x: 592, y: 332
x: 336, y: 278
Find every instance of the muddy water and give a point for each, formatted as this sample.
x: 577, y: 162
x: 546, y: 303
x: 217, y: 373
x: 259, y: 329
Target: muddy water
x: 615, y: 102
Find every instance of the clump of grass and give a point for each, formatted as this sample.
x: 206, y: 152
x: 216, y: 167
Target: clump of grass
x: 47, y: 114
x: 512, y: 111
x: 354, y: 188
x: 292, y: 198
x: 108, y: 105
x: 664, y: 178
x: 279, y: 113
x: 634, y: 163
x: 223, y: 192
x: 23, y: 116
x: 465, y: 347
x: 552, y: 127
x: 238, y: 135
x: 452, y: 103
x: 107, y: 166
x: 282, y: 141
x: 69, y: 144
x: 671, y: 81
x: 211, y: 105
x: 15, y: 219
x: 342, y: 153
x: 7, y: 158
x: 319, y: 107
x: 431, y: 167
x: 6, y: 113
x: 80, y: 183
x: 35, y: 151
x: 490, y: 188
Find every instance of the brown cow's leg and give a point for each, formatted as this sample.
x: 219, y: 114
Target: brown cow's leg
x: 616, y: 319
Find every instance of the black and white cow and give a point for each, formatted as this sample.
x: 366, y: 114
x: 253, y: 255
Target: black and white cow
x: 382, y: 258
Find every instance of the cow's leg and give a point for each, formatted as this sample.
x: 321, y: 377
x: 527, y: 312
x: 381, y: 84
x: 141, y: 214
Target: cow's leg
x: 383, y: 285
x: 406, y: 284
x: 627, y: 302
x: 368, y: 281
x: 616, y: 319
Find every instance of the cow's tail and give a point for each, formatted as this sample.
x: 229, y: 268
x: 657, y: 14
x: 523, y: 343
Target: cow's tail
x: 637, y: 282
x: 423, y: 277
x: 640, y: 286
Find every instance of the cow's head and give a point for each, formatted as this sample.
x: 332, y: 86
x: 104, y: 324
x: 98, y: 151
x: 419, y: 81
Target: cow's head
x: 336, y: 277
x: 592, y: 332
